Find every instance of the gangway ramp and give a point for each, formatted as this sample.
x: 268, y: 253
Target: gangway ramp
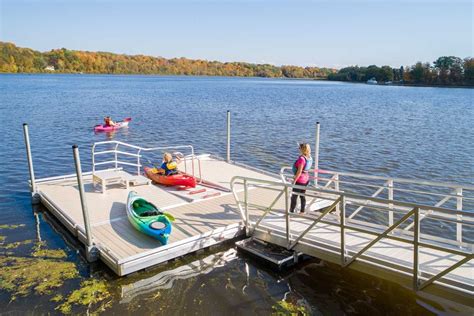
x: 414, y: 257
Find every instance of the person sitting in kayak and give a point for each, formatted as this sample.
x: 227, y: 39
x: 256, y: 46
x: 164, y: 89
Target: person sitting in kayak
x: 169, y: 166
x: 108, y: 121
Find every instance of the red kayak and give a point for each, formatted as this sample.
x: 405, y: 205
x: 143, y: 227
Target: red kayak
x: 118, y: 125
x: 180, y: 179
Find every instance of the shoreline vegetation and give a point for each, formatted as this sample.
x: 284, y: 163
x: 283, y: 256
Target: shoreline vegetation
x: 15, y: 59
x: 447, y: 71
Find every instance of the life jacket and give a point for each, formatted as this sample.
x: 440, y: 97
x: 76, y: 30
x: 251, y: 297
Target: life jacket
x: 307, y: 166
x: 107, y: 121
x: 169, y: 167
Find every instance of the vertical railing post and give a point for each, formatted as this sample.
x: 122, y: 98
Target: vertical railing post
x: 116, y: 156
x: 246, y: 202
x: 342, y: 225
x: 139, y: 162
x: 416, y: 240
x: 228, y: 136
x: 90, y: 250
x: 34, y: 196
x: 316, y: 155
x: 459, y: 217
x: 336, y: 187
x: 287, y: 216
x: 390, y: 205
x: 93, y: 159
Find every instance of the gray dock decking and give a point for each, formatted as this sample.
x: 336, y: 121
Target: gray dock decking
x: 199, y: 223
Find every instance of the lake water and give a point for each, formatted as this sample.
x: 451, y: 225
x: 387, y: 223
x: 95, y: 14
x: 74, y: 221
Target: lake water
x: 411, y: 132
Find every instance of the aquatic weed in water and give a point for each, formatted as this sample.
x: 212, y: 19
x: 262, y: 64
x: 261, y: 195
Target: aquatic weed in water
x: 91, y: 293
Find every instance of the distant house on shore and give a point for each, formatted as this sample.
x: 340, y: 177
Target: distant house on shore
x: 372, y: 81
x: 49, y: 68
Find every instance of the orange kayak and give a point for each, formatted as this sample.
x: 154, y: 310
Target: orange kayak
x: 180, y: 179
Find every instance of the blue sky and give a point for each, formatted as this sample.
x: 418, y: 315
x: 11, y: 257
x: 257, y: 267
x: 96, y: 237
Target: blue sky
x: 310, y: 33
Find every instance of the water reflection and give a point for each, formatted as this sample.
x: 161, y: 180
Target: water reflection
x: 37, y: 226
x: 165, y: 279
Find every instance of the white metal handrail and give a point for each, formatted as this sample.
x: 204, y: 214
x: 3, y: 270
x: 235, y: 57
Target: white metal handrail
x: 285, y: 169
x: 137, y: 153
x: 390, y: 186
x: 421, y: 279
x: 271, y: 184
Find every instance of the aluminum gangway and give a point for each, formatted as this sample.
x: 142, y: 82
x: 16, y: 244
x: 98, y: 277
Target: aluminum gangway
x: 415, y: 233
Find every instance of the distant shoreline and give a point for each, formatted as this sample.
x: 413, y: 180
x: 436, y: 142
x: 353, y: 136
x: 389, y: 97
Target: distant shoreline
x: 446, y: 71
x: 241, y: 77
x: 415, y: 85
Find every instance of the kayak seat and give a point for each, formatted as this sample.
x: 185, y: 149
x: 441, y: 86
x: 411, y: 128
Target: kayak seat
x: 149, y: 213
x: 142, y: 208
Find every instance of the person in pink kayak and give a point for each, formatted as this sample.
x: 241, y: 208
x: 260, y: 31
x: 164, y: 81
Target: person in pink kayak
x: 301, y: 171
x: 108, y: 121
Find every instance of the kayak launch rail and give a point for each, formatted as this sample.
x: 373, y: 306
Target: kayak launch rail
x: 119, y: 149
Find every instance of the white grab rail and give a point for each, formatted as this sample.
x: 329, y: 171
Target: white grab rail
x: 137, y: 152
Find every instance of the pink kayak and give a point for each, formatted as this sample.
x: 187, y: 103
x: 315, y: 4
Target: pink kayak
x: 118, y: 125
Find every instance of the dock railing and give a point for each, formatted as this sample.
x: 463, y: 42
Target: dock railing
x: 116, y: 152
x: 405, y: 226
x: 409, y: 190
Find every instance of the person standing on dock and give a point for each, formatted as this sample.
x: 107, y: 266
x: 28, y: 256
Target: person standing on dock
x: 301, y: 170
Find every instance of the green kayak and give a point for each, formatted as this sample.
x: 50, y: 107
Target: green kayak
x: 147, y: 218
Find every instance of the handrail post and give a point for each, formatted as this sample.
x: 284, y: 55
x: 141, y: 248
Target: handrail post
x: 416, y: 240
x: 116, y: 156
x: 342, y: 224
x: 185, y: 164
x: 228, y: 136
x: 246, y: 202
x: 138, y: 161
x: 459, y: 217
x: 316, y: 155
x: 287, y: 216
x: 390, y: 205
x: 336, y: 187
x: 34, y: 194
x: 91, y: 251
x: 192, y: 163
x: 93, y: 158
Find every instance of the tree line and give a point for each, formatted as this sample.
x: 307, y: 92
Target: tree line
x: 446, y: 70
x: 15, y: 59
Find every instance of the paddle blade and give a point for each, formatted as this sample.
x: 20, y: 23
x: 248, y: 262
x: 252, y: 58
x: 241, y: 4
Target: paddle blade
x: 169, y: 217
x: 127, y: 119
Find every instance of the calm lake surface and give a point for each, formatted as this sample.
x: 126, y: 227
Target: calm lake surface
x: 424, y: 133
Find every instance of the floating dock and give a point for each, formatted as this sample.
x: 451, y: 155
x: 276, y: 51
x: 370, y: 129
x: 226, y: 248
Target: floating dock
x: 200, y: 221
x: 368, y: 223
